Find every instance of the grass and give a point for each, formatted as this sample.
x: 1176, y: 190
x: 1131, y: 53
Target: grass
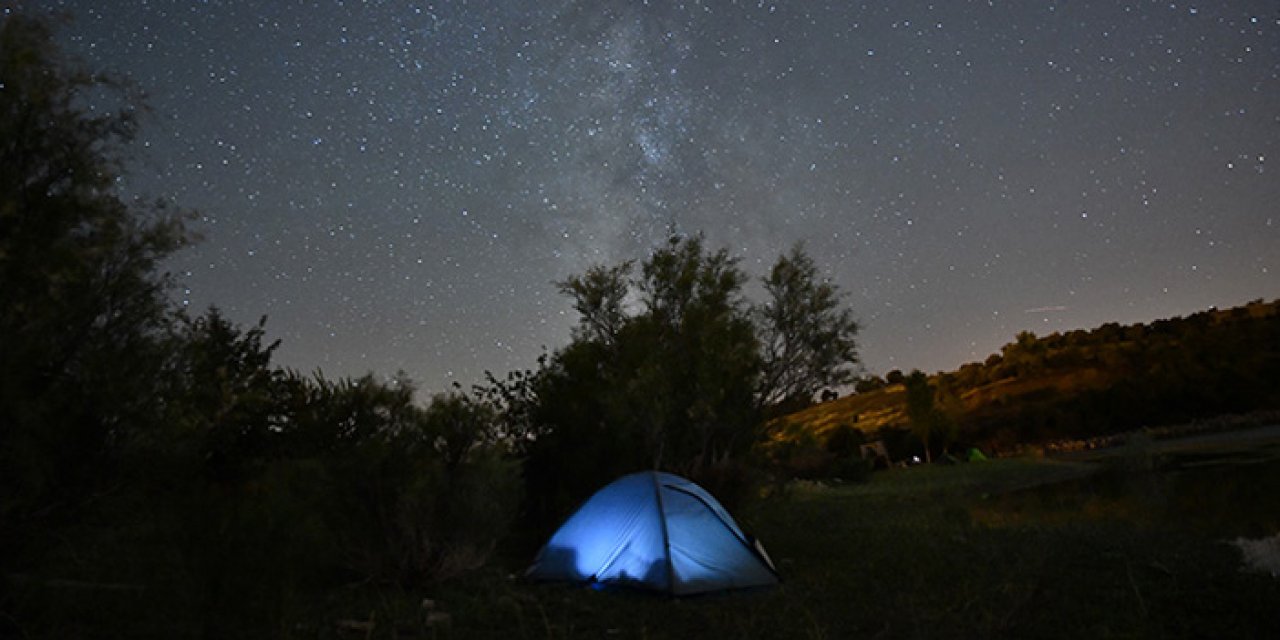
x: 1133, y: 544
x: 1014, y: 548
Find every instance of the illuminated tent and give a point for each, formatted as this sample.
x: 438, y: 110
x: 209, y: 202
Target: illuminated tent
x: 657, y: 531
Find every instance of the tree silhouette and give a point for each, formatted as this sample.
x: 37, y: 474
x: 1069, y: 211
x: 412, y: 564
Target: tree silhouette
x: 671, y: 367
x: 806, y: 335
x: 931, y: 420
x: 81, y: 298
x: 667, y: 384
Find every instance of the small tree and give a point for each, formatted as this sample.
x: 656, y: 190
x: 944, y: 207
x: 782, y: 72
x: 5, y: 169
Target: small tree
x: 920, y: 409
x: 807, y: 336
x: 869, y: 383
x: 221, y: 395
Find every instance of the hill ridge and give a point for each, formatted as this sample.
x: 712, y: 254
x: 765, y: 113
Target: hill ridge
x: 1080, y: 383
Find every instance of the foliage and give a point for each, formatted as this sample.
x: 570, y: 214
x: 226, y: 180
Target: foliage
x: 920, y: 409
x: 418, y: 501
x: 598, y: 296
x: 1081, y: 385
x: 869, y: 383
x: 81, y: 303
x: 267, y: 486
x: 145, y: 451
x: 222, y: 401
x: 668, y: 385
x: 385, y: 488
x: 702, y: 357
x: 667, y: 369
x: 807, y: 336
x: 931, y: 420
x: 801, y: 454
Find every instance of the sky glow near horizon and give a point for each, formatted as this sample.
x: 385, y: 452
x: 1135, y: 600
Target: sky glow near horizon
x: 397, y: 185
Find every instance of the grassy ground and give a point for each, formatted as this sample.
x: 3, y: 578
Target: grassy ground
x: 1011, y: 548
x: 1132, y: 543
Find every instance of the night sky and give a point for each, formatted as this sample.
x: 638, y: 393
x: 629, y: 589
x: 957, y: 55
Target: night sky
x: 398, y: 184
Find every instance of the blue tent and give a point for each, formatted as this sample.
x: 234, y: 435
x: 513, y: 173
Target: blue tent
x: 657, y: 531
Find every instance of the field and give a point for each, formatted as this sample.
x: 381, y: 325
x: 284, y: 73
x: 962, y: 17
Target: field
x: 1133, y: 543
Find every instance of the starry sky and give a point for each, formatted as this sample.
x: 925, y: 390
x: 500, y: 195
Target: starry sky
x: 398, y: 184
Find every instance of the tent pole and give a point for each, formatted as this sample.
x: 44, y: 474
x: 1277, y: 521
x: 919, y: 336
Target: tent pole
x: 666, y: 537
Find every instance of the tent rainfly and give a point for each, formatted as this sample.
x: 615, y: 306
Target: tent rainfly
x: 658, y: 531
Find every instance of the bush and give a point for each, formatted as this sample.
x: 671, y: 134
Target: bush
x: 803, y: 456
x: 419, y: 498
x: 402, y: 516
x: 733, y: 482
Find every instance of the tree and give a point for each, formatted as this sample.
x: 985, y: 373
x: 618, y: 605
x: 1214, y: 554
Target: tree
x: 667, y: 383
x: 221, y: 396
x: 671, y: 367
x: 869, y: 383
x: 458, y: 424
x: 598, y: 297
x: 931, y: 410
x: 677, y: 374
x: 82, y: 302
x: 702, y: 357
x: 807, y: 336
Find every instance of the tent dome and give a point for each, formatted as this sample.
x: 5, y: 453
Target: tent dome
x: 654, y: 530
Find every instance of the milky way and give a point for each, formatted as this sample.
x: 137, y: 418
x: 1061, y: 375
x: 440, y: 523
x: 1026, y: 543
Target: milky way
x: 397, y: 185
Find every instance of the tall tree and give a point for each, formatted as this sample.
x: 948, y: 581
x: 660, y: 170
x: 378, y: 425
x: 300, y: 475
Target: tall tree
x: 665, y: 382
x: 807, y: 335
x: 703, y: 355
x: 670, y: 366
x: 81, y: 296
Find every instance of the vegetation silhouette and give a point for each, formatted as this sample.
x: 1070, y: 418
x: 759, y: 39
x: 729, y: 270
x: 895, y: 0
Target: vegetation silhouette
x: 672, y: 368
x: 159, y: 463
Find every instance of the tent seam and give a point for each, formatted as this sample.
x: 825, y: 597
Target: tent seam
x: 666, y: 536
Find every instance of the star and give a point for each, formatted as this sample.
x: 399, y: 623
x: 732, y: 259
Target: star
x: 397, y: 186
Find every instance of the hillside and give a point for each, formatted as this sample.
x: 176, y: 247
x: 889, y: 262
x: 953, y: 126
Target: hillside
x: 1079, y: 384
